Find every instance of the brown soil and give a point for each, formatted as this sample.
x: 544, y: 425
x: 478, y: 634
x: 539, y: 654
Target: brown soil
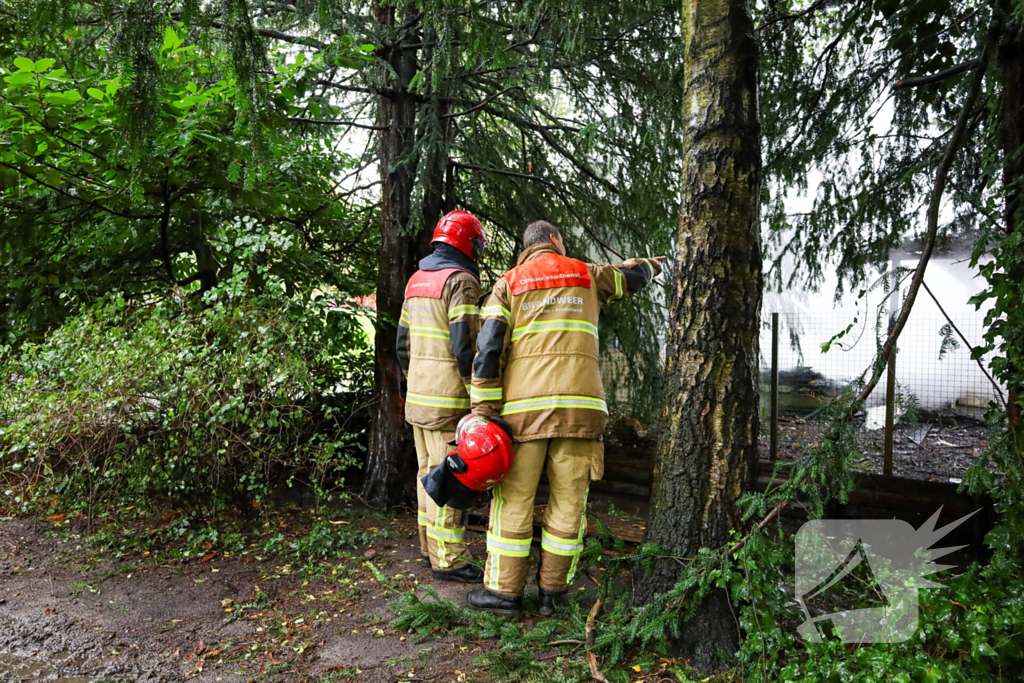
x: 66, y: 614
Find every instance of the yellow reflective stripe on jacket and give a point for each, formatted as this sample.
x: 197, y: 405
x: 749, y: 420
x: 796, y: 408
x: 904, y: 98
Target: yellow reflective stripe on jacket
x: 405, y: 317
x: 436, y: 401
x: 479, y: 394
x: 548, y: 402
x: 620, y: 281
x: 509, y: 547
x: 566, y: 547
x: 553, y: 326
x: 465, y: 309
x: 498, y: 310
x: 650, y: 266
x: 423, y: 519
x: 434, y: 332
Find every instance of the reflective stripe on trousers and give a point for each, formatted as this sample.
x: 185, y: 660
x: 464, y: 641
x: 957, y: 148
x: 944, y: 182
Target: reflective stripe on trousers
x: 442, y: 526
x: 444, y: 536
x: 568, y: 465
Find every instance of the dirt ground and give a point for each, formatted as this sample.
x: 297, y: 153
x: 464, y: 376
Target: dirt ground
x: 68, y: 614
x: 937, y: 450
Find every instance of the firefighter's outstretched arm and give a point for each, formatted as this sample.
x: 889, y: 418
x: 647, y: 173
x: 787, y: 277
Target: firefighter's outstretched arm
x: 463, y: 323
x: 625, y: 279
x: 402, y: 341
x: 492, y: 352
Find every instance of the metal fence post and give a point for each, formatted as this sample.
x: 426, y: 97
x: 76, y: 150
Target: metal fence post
x: 773, y: 447
x: 890, y: 410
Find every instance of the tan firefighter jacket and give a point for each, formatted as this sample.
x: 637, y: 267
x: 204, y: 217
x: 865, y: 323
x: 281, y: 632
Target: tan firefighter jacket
x: 436, y: 334
x: 537, y: 352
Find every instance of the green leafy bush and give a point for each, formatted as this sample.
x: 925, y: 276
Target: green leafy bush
x: 206, y: 404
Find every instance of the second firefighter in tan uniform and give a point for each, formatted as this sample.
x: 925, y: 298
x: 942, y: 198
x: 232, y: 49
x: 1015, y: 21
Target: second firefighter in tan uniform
x: 537, y: 367
x: 436, y: 335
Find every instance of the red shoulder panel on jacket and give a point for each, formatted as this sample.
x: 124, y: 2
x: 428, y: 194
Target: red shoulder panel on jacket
x: 428, y: 283
x: 547, y: 272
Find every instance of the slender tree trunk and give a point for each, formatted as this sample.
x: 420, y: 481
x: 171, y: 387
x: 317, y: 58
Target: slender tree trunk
x: 435, y: 201
x: 391, y: 460
x: 707, y: 456
x: 1010, y: 56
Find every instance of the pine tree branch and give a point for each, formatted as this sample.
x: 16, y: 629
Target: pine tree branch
x: 360, y: 188
x: 511, y: 174
x: 585, y: 224
x: 477, y: 211
x: 354, y: 88
x: 545, y: 133
x: 351, y: 124
x: 759, y: 528
x: 277, y: 35
x: 933, y: 221
x: 76, y: 198
x: 595, y: 673
x: 481, y: 105
x: 999, y: 392
x: 813, y: 7
x: 915, y: 81
x: 543, y: 181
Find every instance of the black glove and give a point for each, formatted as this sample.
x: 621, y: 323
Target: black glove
x: 504, y: 425
x: 441, y: 485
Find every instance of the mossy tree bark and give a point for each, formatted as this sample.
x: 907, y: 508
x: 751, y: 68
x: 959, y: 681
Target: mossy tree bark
x: 708, y: 450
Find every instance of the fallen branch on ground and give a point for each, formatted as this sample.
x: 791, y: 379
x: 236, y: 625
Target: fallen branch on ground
x: 595, y: 673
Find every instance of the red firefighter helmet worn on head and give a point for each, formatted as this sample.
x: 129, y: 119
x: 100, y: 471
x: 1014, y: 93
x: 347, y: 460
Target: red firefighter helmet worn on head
x: 484, y: 454
x: 459, y: 228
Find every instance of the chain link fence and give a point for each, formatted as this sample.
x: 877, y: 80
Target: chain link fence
x: 930, y: 428
x: 820, y: 354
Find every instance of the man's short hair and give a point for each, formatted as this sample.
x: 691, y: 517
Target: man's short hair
x: 538, y: 232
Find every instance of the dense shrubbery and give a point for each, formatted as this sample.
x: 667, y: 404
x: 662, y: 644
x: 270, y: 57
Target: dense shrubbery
x: 206, y: 403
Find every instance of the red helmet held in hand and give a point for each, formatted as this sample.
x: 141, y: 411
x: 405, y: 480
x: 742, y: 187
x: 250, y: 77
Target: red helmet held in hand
x: 460, y: 229
x: 484, y: 455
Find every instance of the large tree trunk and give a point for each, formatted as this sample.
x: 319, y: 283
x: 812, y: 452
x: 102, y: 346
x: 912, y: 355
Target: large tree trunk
x: 708, y: 451
x: 391, y: 460
x: 1010, y: 56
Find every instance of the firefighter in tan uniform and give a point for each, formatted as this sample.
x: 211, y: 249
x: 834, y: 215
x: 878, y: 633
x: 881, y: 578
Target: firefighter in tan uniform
x: 537, y: 367
x: 436, y: 334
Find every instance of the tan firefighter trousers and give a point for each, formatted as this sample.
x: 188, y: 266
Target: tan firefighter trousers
x: 441, y: 528
x: 571, y: 464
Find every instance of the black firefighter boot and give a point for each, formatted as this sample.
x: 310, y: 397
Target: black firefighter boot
x: 467, y: 574
x: 486, y: 601
x: 549, y: 601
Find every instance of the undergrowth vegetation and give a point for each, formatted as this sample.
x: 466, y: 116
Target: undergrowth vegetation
x: 203, y: 404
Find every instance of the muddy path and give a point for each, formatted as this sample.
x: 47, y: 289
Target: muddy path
x: 69, y: 613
